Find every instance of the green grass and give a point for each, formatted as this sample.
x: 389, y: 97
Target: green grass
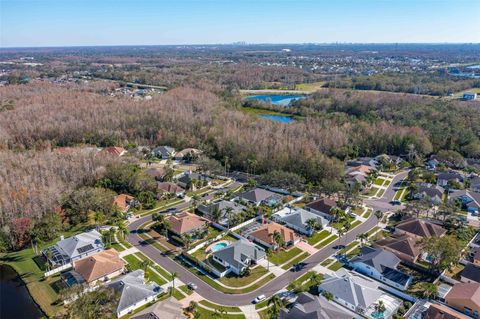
x: 372, y: 191
x: 236, y: 281
x: 295, y: 260
x: 317, y: 237
x: 177, y: 294
x: 367, y: 213
x: 348, y: 247
x: 309, y: 86
x: 355, y: 224
x: 326, y: 262
x: 261, y: 304
x: 134, y: 263
x: 264, y: 314
x: 358, y: 211
x: 185, y: 289
x: 372, y: 231
x: 212, y: 305
x: 279, y: 258
x: 207, y: 314
x: 117, y: 247
x: 336, y: 266
x: 326, y: 241
x: 380, y: 193
x: 339, y: 225
x: 379, y: 181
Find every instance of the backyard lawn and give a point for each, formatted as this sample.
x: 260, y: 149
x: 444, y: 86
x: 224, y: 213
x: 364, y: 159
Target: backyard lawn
x: 279, y: 258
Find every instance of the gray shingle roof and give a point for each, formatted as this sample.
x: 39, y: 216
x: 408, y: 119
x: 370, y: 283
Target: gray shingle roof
x: 471, y: 272
x: 258, y: 195
x: 308, y: 306
x: 353, y: 289
x: 377, y: 258
x: 299, y: 217
x: 132, y: 289
x: 221, y: 206
x: 236, y: 253
x: 80, y: 244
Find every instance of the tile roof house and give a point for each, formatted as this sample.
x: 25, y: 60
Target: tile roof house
x: 471, y: 273
x: 350, y: 291
x: 124, y: 202
x: 184, y: 223
x: 169, y: 188
x: 114, y: 151
x: 163, y: 152
x: 102, y: 266
x: 465, y: 297
x: 469, y: 200
x: 166, y: 309
x: 437, y: 311
x: 222, y: 206
x: 258, y: 196
x: 296, y: 219
x: 381, y: 265
x: 76, y: 247
x: 157, y: 173
x: 133, y: 291
x: 403, y: 246
x: 322, y: 207
x: 308, y: 306
x: 239, y: 256
x: 264, y: 235
x: 419, y: 228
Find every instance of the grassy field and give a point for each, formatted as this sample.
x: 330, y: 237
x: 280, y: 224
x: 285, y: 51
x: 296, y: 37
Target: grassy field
x: 317, y: 237
x: 283, y: 256
x: 309, y: 86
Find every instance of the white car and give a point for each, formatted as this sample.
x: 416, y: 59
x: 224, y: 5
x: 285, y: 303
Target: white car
x: 259, y: 298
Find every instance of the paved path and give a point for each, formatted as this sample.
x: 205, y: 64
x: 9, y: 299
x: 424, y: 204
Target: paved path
x: 250, y: 312
x: 306, y: 247
x: 128, y: 251
x: 274, y: 269
x: 213, y: 295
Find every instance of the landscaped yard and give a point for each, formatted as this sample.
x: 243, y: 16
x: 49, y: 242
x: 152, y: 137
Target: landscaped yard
x: 336, y: 266
x: 212, y: 305
x: 379, y: 181
x: 295, y: 261
x: 208, y: 314
x: 339, y: 225
x: 355, y: 224
x: 326, y: 262
x: 236, y: 281
x: 134, y: 263
x: 326, y: 241
x: 317, y: 237
x: 281, y: 257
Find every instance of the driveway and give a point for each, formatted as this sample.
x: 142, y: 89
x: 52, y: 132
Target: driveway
x: 208, y: 292
x: 383, y: 203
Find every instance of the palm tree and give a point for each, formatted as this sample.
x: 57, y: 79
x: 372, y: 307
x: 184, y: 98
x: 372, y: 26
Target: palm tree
x: 173, y: 275
x: 313, y: 224
x: 187, y: 239
x: 363, y: 238
x: 276, y: 304
x: 380, y: 307
x: 278, y: 239
x: 145, y: 264
x: 215, y: 215
x: 229, y: 214
x: 123, y: 229
x: 316, y: 279
x: 379, y: 215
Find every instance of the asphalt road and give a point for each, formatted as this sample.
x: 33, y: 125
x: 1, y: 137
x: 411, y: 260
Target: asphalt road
x: 272, y: 287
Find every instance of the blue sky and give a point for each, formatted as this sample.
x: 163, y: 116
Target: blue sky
x: 122, y: 22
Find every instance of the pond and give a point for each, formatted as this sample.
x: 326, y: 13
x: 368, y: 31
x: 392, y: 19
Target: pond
x: 281, y: 100
x: 278, y: 118
x: 15, y: 299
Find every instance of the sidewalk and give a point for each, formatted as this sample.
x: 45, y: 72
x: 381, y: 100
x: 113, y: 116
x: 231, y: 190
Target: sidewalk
x: 129, y: 251
x: 250, y: 312
x: 274, y: 269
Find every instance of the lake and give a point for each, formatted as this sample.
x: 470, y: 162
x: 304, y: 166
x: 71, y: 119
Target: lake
x: 282, y: 100
x: 278, y: 118
x: 16, y: 302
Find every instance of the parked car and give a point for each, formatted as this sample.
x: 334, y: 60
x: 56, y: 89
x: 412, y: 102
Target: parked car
x: 192, y: 286
x: 396, y: 202
x: 259, y: 298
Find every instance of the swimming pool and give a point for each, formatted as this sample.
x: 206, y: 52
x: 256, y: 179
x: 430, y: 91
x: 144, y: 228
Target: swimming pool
x: 219, y: 246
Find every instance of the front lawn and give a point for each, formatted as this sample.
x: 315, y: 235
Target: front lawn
x: 336, y: 266
x: 134, y: 263
x: 281, y: 257
x: 212, y: 305
x: 208, y: 314
x: 317, y: 237
x: 237, y: 281
x: 295, y: 261
x: 379, y: 181
x: 326, y: 241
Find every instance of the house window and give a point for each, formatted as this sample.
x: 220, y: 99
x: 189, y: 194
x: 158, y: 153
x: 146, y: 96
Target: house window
x: 475, y: 313
x: 467, y: 310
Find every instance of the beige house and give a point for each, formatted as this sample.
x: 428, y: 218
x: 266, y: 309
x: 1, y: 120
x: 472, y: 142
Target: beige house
x: 100, y: 267
x: 465, y: 297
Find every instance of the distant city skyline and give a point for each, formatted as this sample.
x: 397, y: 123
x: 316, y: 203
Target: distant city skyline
x: 38, y: 23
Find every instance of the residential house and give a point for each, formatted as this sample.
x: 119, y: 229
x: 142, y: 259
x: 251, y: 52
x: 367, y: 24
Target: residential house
x: 222, y: 206
x: 471, y: 273
x: 74, y: 248
x: 351, y: 291
x: 465, y: 297
x: 449, y: 177
x: 381, y: 265
x: 163, y: 152
x: 169, y: 308
x: 419, y: 228
x: 439, y: 311
x: 168, y: 188
x: 186, y: 223
x: 432, y: 164
x: 322, y: 207
x: 259, y: 196
x: 124, y: 202
x: 264, y: 235
x: 239, y: 256
x: 114, y: 151
x: 469, y: 200
x: 358, y: 175
x: 475, y: 184
x: 100, y: 267
x: 308, y: 306
x: 157, y: 173
x: 433, y: 192
x: 134, y: 292
x: 403, y: 246
x: 188, y: 154
x: 192, y: 181
x: 297, y: 219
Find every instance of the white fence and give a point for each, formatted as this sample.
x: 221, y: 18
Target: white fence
x: 58, y: 269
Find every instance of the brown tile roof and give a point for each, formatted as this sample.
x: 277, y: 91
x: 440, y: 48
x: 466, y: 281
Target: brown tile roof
x: 122, y: 201
x: 114, y: 150
x: 185, y: 222
x: 442, y: 312
x: 99, y: 265
x: 265, y: 233
x: 323, y: 205
x: 421, y: 228
x: 168, y: 187
x: 403, y: 244
x: 465, y: 291
x: 364, y: 169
